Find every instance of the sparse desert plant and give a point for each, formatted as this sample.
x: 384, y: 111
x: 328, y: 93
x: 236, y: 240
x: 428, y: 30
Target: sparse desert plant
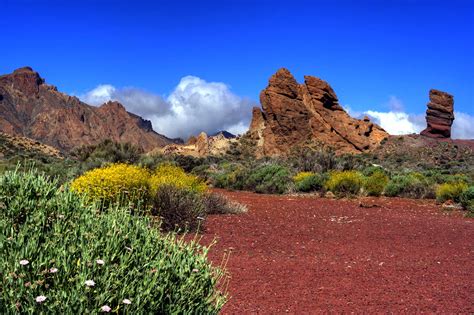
x: 374, y: 184
x: 344, y: 182
x: 113, y: 183
x: 60, y: 255
x: 269, y: 179
x: 450, y: 191
x: 467, y: 200
x: 317, y: 160
x: 168, y: 174
x: 180, y: 209
x: 107, y: 151
x: 217, y: 203
x: 309, y: 181
x: 413, y: 185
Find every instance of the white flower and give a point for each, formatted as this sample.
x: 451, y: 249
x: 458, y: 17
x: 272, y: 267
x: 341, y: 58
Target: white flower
x: 24, y: 262
x: 90, y: 283
x: 40, y: 299
x: 195, y: 270
x: 126, y: 301
x: 53, y: 270
x: 105, y: 308
x: 100, y: 262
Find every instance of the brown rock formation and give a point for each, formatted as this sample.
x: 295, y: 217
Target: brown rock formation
x: 294, y: 114
x: 439, y: 115
x: 31, y: 108
x: 200, y: 146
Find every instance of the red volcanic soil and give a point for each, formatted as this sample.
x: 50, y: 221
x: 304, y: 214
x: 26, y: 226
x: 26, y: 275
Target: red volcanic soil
x: 311, y: 255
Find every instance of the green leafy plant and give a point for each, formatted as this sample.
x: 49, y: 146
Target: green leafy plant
x: 309, y: 181
x: 467, y: 200
x: 413, y: 185
x: 269, y: 178
x: 374, y: 184
x: 60, y: 255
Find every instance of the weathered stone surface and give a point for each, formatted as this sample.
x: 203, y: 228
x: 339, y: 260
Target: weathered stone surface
x: 31, y: 108
x: 439, y: 115
x: 293, y: 114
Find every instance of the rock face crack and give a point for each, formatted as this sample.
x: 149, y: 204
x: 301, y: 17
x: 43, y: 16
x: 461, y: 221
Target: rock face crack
x: 294, y: 114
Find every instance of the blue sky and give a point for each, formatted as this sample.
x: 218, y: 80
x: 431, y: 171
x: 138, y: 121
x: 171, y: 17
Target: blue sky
x: 371, y: 52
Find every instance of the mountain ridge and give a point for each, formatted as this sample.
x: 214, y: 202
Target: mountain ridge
x: 31, y: 108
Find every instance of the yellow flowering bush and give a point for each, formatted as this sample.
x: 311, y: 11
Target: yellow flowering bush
x: 344, y: 182
x: 167, y: 174
x: 302, y: 176
x: 450, y: 191
x: 110, y: 183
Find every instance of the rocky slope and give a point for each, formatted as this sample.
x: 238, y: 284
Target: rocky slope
x: 15, y: 146
x: 201, y: 146
x: 294, y: 114
x: 31, y: 108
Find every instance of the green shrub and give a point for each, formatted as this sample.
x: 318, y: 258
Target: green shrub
x: 52, y: 243
x: 368, y: 171
x: 318, y: 160
x: 229, y: 176
x: 413, y: 185
x: 374, y: 185
x: 107, y: 151
x: 344, y: 182
x: 450, y: 191
x: 269, y: 179
x: 308, y: 181
x: 180, y: 209
x: 467, y: 199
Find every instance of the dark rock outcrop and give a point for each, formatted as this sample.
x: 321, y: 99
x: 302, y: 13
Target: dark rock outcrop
x: 31, y: 108
x: 439, y: 115
x: 294, y: 114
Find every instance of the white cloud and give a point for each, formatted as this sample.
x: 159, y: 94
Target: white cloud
x: 398, y: 122
x: 463, y: 126
x: 194, y: 106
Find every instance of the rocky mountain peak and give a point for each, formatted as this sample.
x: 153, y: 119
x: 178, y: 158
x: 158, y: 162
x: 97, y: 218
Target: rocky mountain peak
x: 295, y: 114
x: 25, y: 79
x: 30, y: 108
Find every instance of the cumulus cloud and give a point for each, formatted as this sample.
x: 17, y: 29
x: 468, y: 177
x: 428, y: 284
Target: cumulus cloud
x: 463, y: 126
x: 193, y: 106
x: 398, y: 122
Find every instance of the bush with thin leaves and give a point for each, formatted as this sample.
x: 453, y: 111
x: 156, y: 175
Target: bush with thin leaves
x: 467, y: 200
x: 374, y: 184
x: 180, y: 209
x: 343, y: 183
x: 269, y: 179
x: 450, y: 191
x: 309, y: 181
x: 413, y: 185
x: 59, y: 255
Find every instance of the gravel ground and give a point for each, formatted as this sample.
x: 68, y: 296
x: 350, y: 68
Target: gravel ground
x: 305, y: 255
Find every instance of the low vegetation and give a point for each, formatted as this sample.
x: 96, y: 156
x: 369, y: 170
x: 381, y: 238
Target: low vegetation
x: 59, y: 254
